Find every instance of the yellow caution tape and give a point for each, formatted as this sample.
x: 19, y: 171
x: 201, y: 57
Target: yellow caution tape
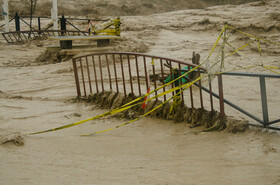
x: 124, y: 107
x: 217, y: 41
x: 265, y: 40
x: 238, y: 48
x: 126, y: 123
x: 271, y: 70
x: 273, y: 67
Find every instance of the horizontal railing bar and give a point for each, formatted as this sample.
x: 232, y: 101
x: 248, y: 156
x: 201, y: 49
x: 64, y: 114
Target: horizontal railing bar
x: 273, y: 122
x: 251, y: 74
x: 268, y: 127
x: 87, y: 19
x: 232, y: 105
x: 144, y: 55
x: 244, y: 74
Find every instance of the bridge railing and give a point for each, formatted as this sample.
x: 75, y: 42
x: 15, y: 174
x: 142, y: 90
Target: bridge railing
x: 137, y: 73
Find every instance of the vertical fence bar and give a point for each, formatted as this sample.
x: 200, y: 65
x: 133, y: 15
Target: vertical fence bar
x: 200, y: 90
x: 154, y: 77
x: 181, y: 82
x: 130, y: 76
x: 101, y: 75
x: 109, y: 73
x: 146, y: 73
x: 89, y: 80
x: 138, y: 78
x: 162, y: 76
x: 84, y: 85
x: 116, y: 75
x: 39, y: 24
x: 211, y: 95
x: 264, y: 101
x: 76, y: 78
x: 123, y: 75
x: 95, y: 75
x: 191, y: 90
x: 171, y: 77
x: 221, y: 96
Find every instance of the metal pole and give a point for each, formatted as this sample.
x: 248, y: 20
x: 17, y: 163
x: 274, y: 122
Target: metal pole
x: 221, y: 96
x: 6, y: 15
x: 63, y: 25
x: 39, y: 24
x: 17, y: 22
x: 264, y: 101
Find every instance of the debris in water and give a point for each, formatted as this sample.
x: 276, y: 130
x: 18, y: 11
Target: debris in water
x: 16, y: 138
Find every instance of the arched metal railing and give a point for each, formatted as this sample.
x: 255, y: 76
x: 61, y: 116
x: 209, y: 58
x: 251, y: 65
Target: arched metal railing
x: 136, y: 73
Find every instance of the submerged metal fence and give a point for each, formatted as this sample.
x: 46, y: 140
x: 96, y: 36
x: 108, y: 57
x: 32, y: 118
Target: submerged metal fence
x: 22, y: 35
x: 131, y: 72
x: 125, y: 72
x: 265, y: 113
x: 19, y: 36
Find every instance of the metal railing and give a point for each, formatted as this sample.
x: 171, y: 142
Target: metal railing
x: 19, y: 36
x: 125, y: 72
x: 265, y: 113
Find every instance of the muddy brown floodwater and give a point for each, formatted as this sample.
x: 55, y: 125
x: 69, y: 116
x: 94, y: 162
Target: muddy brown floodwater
x: 37, y: 96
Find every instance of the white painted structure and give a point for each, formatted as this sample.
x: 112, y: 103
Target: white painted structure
x: 54, y: 15
x: 5, y: 9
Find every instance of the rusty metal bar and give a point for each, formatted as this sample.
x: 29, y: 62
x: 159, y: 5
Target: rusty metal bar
x: 88, y: 75
x: 211, y: 94
x: 84, y: 85
x: 101, y: 75
x: 200, y: 90
x: 146, y: 73
x: 109, y: 73
x: 95, y: 75
x: 191, y: 90
x: 130, y: 76
x: 153, y: 56
x: 162, y: 76
x: 221, y: 96
x: 172, y: 77
x: 124, y: 89
x: 76, y: 78
x: 154, y: 77
x: 116, y: 75
x: 138, y: 78
x: 181, y: 82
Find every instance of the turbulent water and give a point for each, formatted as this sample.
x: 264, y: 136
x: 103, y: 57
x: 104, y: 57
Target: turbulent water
x: 37, y: 96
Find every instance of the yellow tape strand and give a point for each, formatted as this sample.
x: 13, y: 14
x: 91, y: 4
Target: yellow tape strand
x: 122, y: 108
x: 217, y: 41
x: 265, y: 40
x: 271, y: 70
x: 238, y: 48
x: 126, y: 123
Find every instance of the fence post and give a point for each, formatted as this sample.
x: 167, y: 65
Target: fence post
x: 264, y: 101
x: 76, y: 77
x: 221, y: 96
x: 17, y: 23
x: 39, y: 23
x: 63, y: 25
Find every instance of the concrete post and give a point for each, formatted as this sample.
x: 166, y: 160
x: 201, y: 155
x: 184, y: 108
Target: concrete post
x: 6, y: 15
x: 54, y: 15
